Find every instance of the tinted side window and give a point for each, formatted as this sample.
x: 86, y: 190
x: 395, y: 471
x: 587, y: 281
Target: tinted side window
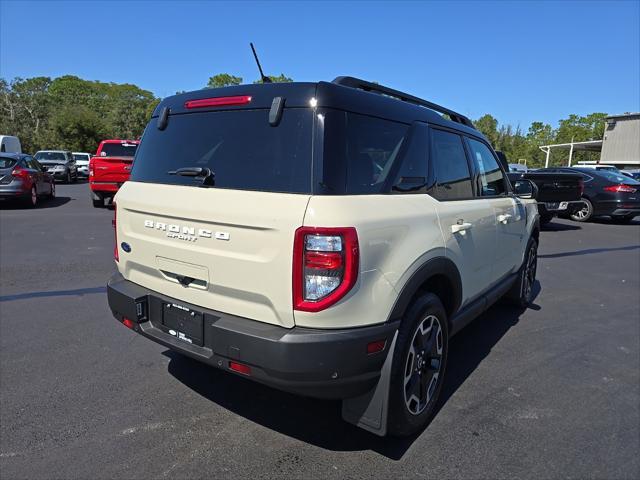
x: 491, y: 177
x: 453, y: 180
x: 359, y: 152
x: 413, y: 170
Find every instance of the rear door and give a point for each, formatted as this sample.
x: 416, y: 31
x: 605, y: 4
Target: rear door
x: 509, y: 211
x: 228, y: 246
x: 467, y: 222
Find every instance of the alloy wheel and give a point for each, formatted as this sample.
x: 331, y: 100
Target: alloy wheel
x: 423, y: 365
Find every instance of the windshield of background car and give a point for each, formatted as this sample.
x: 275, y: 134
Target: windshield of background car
x: 6, y: 162
x: 118, y: 149
x: 50, y: 157
x: 80, y: 157
x: 612, y: 176
x: 240, y: 147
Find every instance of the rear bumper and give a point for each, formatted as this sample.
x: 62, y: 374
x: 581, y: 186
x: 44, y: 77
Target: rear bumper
x: 104, y: 187
x: 311, y: 362
x: 617, y: 207
x: 553, y: 208
x: 14, y: 189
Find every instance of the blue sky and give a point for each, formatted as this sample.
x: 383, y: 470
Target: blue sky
x: 520, y: 61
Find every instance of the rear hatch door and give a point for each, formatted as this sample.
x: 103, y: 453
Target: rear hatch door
x: 231, y: 243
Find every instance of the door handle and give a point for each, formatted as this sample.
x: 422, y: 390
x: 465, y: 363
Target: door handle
x: 101, y: 168
x: 461, y: 228
x: 504, y: 218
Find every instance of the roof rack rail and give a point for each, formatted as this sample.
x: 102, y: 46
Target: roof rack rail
x: 405, y: 97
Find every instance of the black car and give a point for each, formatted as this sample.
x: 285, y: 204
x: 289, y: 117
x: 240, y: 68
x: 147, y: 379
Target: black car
x: 59, y: 163
x: 606, y: 193
x: 23, y: 178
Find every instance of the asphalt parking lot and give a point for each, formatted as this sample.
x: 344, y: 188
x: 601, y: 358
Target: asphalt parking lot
x: 551, y: 392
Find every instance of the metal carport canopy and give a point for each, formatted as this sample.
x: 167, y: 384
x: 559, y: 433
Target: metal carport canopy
x: 588, y: 146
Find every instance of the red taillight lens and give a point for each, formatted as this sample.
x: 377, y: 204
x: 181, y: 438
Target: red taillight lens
x: 240, y: 368
x: 127, y: 323
x: 20, y: 172
x: 325, y: 266
x: 218, y: 101
x: 620, y: 188
x: 323, y: 260
x: 114, y: 222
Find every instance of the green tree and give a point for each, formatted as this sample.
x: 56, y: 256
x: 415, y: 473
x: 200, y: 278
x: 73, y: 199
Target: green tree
x: 488, y: 125
x: 282, y: 78
x: 76, y: 128
x: 223, y: 80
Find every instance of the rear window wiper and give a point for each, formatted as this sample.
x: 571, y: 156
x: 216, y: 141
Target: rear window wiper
x: 208, y: 177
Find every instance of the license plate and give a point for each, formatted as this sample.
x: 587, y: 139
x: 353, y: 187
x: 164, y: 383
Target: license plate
x: 183, y: 323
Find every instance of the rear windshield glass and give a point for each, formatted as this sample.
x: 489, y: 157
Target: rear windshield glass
x: 50, y: 156
x: 612, y: 176
x: 118, y: 149
x: 240, y: 147
x: 7, y: 162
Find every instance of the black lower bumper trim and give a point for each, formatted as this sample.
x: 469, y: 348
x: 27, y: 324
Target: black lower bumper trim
x: 312, y: 362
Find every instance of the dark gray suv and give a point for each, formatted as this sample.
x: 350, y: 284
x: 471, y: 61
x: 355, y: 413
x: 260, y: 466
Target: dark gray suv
x: 59, y: 163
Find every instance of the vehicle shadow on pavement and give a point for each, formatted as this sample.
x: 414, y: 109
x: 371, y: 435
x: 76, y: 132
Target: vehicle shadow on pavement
x: 16, y: 205
x: 319, y: 422
x: 559, y: 227
x: 589, y: 251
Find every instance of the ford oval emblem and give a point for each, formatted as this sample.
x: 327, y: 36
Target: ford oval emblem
x: 126, y: 247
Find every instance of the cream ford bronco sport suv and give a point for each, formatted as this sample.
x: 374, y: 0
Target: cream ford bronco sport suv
x: 326, y: 239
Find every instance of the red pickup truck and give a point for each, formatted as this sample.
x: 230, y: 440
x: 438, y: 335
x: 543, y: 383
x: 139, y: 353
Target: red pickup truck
x: 110, y: 168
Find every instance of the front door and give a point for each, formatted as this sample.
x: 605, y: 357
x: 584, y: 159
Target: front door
x: 467, y: 221
x: 509, y: 212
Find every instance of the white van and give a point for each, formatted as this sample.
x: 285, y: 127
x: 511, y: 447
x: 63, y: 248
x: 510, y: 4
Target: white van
x: 10, y: 144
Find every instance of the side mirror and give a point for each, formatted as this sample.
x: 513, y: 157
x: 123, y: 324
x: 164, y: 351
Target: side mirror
x: 524, y: 188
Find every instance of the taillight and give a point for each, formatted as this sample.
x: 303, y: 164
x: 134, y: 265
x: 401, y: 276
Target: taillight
x: 325, y: 266
x: 20, y: 173
x: 218, y: 101
x: 620, y: 188
x: 114, y: 222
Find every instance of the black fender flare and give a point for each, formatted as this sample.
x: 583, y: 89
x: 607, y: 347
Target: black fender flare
x: 432, y: 267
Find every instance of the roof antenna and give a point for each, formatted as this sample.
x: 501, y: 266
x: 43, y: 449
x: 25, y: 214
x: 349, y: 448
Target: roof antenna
x: 263, y: 77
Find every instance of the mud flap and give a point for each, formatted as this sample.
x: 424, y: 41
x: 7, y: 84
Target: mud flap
x: 370, y: 411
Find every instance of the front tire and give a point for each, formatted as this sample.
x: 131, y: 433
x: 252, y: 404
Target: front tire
x: 68, y: 179
x: 419, y: 362
x: 585, y: 213
x: 521, y: 293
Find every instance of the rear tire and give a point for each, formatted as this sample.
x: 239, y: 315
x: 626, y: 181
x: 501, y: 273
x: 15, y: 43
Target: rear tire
x: 32, y: 199
x: 98, y: 203
x: 585, y: 213
x: 521, y: 292
x: 418, y: 368
x: 52, y: 193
